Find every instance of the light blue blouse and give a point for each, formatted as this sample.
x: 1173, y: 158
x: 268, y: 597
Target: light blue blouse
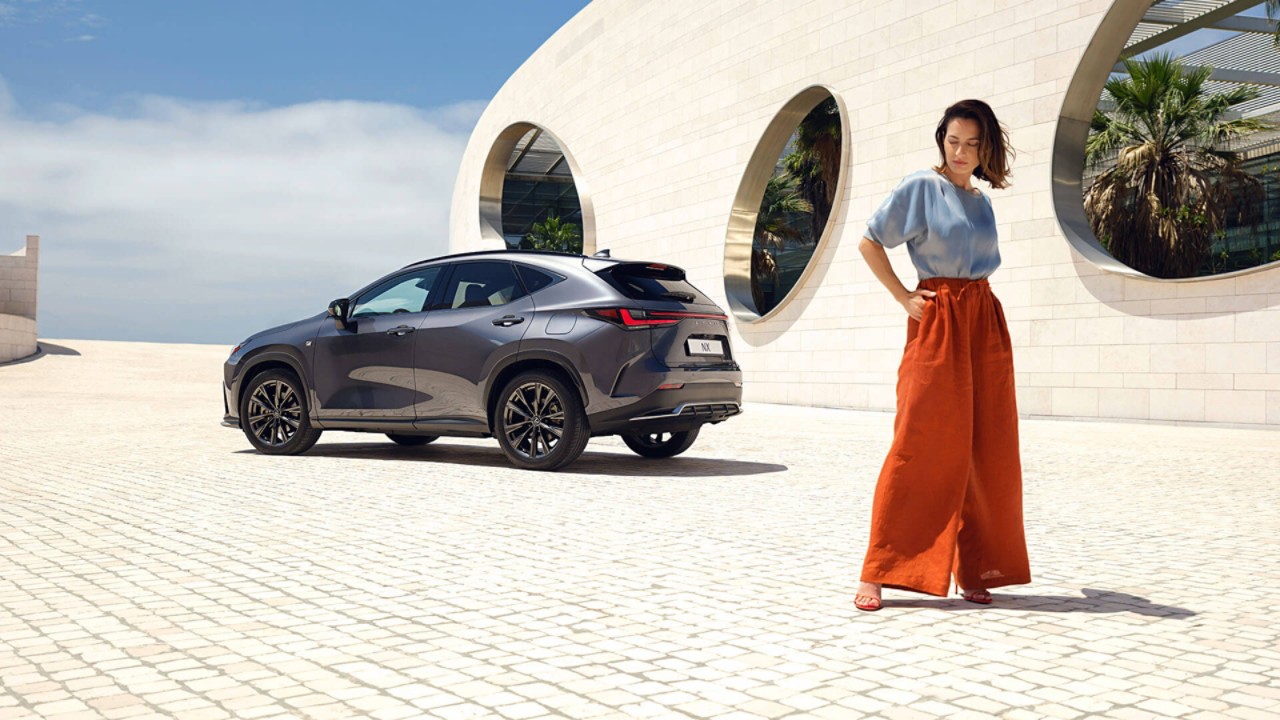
x: 949, y: 232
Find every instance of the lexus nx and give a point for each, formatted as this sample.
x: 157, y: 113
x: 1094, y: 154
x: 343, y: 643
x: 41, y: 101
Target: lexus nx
x: 540, y: 350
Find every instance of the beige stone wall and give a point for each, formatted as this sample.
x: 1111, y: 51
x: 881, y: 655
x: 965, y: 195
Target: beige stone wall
x: 18, y: 286
x: 662, y: 104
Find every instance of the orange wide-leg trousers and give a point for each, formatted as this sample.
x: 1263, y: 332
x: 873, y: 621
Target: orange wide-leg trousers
x: 949, y: 497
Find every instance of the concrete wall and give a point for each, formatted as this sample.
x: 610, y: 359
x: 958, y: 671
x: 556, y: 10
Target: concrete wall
x: 18, y: 290
x: 662, y: 105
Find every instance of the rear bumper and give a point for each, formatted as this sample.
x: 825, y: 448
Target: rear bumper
x: 701, y: 412
x: 702, y: 400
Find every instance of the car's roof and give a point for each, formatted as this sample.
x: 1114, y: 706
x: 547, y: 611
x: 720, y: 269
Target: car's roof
x: 537, y: 255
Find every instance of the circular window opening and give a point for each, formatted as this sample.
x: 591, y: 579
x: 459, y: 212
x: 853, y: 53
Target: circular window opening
x: 529, y: 198
x: 781, y: 214
x: 1167, y: 156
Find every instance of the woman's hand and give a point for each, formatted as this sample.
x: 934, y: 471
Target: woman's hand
x: 878, y: 261
x: 915, y: 301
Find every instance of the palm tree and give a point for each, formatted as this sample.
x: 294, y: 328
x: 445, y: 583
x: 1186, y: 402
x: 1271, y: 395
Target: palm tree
x: 781, y: 211
x: 1273, y: 14
x: 552, y: 234
x: 814, y: 161
x: 1173, y: 186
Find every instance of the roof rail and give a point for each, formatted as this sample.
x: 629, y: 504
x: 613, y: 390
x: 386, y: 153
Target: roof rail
x: 494, y: 252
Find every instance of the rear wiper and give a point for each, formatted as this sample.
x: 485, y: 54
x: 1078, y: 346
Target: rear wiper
x: 677, y: 295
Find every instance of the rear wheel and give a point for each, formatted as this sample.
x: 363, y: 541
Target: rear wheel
x: 540, y: 422
x: 412, y: 440
x: 661, y: 444
x: 273, y: 414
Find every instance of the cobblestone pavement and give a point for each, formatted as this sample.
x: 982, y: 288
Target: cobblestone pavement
x: 151, y: 566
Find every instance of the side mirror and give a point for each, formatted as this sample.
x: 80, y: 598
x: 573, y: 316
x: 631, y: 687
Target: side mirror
x: 338, y: 311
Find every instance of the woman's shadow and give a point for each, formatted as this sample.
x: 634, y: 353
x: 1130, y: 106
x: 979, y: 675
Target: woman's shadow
x: 1093, y: 601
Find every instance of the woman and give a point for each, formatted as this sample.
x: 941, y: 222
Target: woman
x: 949, y: 498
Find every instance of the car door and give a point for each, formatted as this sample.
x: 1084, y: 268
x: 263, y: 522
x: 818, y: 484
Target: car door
x: 364, y: 373
x: 478, y: 320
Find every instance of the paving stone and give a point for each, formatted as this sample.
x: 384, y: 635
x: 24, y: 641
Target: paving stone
x: 150, y: 566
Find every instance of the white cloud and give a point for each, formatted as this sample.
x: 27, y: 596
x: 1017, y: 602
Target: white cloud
x: 202, y: 222
x: 82, y: 38
x: 28, y: 12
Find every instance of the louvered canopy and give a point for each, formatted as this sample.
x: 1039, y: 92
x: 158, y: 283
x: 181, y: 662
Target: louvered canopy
x: 1235, y: 39
x: 538, y: 184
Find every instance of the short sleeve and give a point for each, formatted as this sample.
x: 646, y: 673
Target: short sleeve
x: 904, y: 215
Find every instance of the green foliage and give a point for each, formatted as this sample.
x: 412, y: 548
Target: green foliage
x: 1273, y: 14
x: 797, y: 199
x: 554, y: 235
x: 781, y: 211
x: 1171, y: 189
x: 814, y: 160
x: 783, y: 216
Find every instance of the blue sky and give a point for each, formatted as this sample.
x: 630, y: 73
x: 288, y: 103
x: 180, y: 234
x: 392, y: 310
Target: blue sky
x: 423, y: 53
x: 200, y: 170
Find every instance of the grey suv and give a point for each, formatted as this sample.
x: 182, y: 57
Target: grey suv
x: 540, y: 350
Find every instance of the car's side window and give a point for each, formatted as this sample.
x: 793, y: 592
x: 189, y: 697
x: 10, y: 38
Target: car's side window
x: 401, y: 294
x: 481, y: 284
x: 535, y: 279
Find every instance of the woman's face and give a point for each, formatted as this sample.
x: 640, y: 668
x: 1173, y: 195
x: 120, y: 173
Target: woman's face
x: 961, y: 146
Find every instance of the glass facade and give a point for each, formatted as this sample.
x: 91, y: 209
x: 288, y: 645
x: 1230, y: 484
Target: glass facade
x: 1183, y: 153
x: 1253, y: 239
x: 540, y: 206
x: 796, y: 205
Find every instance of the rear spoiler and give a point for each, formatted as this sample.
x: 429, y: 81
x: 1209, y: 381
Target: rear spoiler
x: 642, y: 269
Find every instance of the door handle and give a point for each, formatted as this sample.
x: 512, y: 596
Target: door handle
x: 400, y: 330
x: 508, y: 321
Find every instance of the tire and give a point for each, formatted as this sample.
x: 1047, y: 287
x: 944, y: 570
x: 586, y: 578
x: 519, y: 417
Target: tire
x: 540, y: 422
x: 412, y: 440
x: 273, y: 414
x: 661, y: 444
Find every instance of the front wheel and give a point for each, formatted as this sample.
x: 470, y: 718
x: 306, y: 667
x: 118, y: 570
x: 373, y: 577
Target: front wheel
x: 273, y: 414
x: 540, y: 422
x: 661, y: 444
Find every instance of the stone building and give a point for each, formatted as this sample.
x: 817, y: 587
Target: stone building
x: 669, y: 120
x: 18, y: 284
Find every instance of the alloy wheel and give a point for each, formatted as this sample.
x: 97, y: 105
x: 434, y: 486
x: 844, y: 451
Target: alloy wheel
x: 275, y: 413
x: 654, y: 439
x: 533, y: 420
x: 661, y: 444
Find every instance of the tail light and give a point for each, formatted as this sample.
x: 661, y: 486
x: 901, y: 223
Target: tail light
x: 632, y: 318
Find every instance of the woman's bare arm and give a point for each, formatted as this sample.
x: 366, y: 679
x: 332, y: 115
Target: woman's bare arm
x: 878, y: 260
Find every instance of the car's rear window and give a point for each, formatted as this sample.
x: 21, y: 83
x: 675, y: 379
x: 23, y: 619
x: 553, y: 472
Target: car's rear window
x: 653, y: 282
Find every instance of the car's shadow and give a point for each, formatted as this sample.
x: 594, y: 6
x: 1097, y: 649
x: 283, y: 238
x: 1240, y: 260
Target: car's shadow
x: 590, y: 463
x: 1094, y: 601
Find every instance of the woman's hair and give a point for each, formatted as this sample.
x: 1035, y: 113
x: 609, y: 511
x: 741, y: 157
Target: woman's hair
x: 994, y: 150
